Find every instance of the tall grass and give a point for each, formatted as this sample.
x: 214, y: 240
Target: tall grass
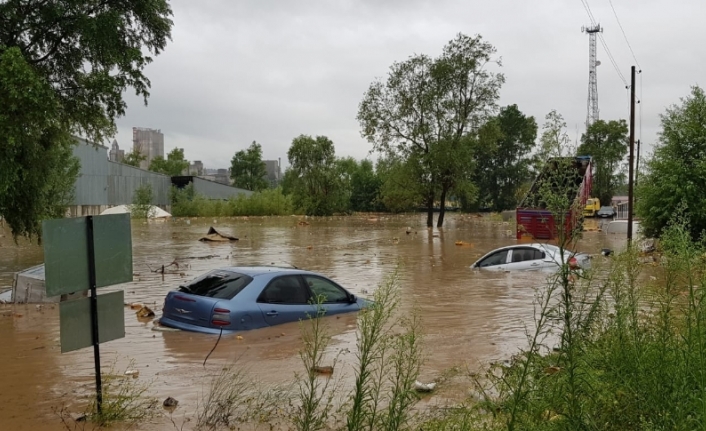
x: 389, y: 355
x: 630, y: 349
x: 187, y: 203
x: 124, y: 400
x: 233, y: 398
x: 316, y: 400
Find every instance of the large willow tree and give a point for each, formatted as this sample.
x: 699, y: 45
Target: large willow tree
x: 426, y: 111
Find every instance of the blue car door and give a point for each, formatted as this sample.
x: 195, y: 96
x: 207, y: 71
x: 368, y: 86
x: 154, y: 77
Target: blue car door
x: 285, y: 299
x: 334, y: 299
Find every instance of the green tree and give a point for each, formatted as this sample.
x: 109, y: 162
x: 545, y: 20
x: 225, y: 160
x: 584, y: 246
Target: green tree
x: 64, y: 67
x: 174, y: 165
x: 133, y: 158
x: 288, y: 182
x: 607, y: 144
x: 314, y: 178
x: 425, y: 109
x: 503, y: 166
x: 365, y: 188
x: 675, y: 177
x: 400, y: 189
x: 554, y: 142
x: 37, y: 167
x: 248, y: 170
x: 346, y: 168
x: 142, y: 202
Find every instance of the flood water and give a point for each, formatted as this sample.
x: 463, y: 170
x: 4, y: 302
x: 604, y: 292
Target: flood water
x: 469, y: 318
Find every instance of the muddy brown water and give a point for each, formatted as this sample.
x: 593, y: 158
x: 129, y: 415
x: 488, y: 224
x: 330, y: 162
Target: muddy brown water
x: 469, y: 318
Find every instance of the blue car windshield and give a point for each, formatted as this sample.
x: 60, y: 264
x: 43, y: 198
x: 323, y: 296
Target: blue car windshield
x: 217, y: 284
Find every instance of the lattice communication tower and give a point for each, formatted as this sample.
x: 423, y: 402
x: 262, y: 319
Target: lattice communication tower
x: 593, y: 63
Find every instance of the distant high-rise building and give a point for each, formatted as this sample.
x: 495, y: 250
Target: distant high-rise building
x: 274, y: 171
x: 218, y: 175
x: 223, y: 176
x: 149, y: 143
x: 196, y: 168
x: 116, y: 154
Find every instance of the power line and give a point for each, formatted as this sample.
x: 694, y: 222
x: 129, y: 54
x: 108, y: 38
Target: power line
x: 612, y: 60
x: 588, y: 11
x: 624, y: 35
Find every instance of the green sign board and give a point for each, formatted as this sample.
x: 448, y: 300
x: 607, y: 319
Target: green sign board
x: 75, y: 321
x: 66, y: 252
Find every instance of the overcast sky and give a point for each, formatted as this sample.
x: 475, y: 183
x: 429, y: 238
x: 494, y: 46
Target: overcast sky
x: 264, y: 70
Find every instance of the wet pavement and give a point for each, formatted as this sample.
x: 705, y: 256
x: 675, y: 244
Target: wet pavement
x: 469, y: 318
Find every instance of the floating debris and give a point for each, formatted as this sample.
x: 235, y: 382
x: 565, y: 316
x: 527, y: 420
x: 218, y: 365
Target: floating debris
x: 214, y: 235
x: 133, y: 373
x: 145, y: 312
x: 424, y: 387
x: 323, y: 369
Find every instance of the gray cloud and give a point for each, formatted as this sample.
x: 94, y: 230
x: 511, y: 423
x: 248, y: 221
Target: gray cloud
x: 268, y: 71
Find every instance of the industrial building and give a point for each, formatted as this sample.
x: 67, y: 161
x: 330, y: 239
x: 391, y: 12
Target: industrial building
x: 149, y: 143
x: 116, y: 154
x: 196, y: 168
x: 208, y: 188
x: 274, y: 171
x: 103, y: 183
x: 221, y: 176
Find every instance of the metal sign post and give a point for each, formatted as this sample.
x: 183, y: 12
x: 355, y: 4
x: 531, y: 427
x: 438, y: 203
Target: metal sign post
x: 83, y: 254
x: 94, y: 312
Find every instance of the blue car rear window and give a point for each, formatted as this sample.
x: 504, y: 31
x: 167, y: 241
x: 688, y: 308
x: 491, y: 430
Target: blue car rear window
x: 217, y: 284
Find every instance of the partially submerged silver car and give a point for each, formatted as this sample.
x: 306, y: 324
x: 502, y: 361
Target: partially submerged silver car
x: 531, y: 257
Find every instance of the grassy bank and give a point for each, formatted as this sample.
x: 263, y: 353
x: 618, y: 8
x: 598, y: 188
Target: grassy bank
x: 188, y: 203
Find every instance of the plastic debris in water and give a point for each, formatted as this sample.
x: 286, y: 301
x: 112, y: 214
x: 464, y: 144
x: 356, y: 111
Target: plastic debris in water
x: 424, y: 387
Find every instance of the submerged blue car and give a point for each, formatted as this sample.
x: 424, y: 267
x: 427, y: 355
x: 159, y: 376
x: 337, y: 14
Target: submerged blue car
x: 237, y: 299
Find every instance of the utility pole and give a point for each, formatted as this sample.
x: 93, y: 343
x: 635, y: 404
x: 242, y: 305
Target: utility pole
x: 631, y: 195
x: 593, y: 63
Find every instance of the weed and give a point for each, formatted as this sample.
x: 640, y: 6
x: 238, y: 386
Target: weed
x: 315, y: 399
x: 124, y: 400
x: 388, y: 363
x: 142, y: 202
x: 233, y: 398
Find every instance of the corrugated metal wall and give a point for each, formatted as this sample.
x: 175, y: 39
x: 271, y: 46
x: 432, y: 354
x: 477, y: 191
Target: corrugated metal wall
x: 124, y: 179
x: 102, y: 182
x: 214, y: 190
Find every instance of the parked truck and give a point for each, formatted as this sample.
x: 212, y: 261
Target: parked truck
x: 570, y: 175
x: 592, y: 207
